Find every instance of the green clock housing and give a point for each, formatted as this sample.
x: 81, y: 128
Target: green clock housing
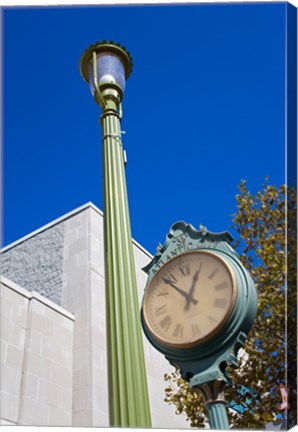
x: 199, y: 302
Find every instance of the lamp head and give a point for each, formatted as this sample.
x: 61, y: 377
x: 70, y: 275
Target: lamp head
x: 107, y: 78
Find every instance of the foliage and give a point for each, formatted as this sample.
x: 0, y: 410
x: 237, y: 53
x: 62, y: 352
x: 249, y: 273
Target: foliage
x: 266, y: 226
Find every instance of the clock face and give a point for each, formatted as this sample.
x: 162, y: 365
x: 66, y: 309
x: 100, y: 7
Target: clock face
x: 189, y: 299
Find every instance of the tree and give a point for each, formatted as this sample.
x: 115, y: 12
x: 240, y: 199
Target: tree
x: 266, y: 227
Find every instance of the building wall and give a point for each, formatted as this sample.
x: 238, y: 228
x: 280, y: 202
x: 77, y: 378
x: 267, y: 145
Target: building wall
x: 37, y: 263
x: 36, y: 359
x: 72, y: 249
x: 83, y: 294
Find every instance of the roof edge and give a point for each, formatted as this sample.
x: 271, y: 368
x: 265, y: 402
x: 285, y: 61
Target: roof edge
x: 62, y: 219
x: 53, y: 223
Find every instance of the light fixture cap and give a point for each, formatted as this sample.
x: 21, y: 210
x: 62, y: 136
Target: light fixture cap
x: 105, y: 47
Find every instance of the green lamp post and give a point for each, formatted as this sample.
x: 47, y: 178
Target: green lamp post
x: 106, y: 67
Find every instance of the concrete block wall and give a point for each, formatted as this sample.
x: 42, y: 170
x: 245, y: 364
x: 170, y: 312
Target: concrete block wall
x: 36, y: 263
x: 36, y: 359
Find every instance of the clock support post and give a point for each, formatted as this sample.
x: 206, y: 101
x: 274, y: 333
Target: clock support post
x: 209, y: 378
x: 214, y: 399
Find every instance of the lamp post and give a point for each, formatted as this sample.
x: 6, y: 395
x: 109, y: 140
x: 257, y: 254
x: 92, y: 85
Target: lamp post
x: 106, y: 67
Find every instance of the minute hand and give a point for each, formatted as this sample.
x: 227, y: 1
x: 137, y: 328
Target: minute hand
x: 183, y: 293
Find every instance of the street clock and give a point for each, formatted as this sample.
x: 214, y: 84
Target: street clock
x: 199, y: 302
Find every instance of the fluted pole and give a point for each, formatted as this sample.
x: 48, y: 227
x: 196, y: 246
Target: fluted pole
x: 217, y: 414
x: 214, y: 399
x: 129, y: 403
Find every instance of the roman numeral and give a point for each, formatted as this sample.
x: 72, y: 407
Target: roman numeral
x: 178, y: 332
x: 160, y: 294
x: 213, y: 273
x: 166, y: 322
x: 213, y: 320
x: 221, y: 303
x: 195, y: 330
x: 185, y: 269
x: 222, y: 285
x: 160, y: 310
x: 171, y: 278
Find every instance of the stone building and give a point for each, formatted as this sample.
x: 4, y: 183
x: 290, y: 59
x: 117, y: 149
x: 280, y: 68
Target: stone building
x: 53, y: 328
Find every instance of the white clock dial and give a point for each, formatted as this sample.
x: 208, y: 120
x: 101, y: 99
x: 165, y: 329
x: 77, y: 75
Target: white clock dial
x: 189, y: 299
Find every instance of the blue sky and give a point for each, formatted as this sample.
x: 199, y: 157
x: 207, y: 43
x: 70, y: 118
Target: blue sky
x: 203, y: 109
